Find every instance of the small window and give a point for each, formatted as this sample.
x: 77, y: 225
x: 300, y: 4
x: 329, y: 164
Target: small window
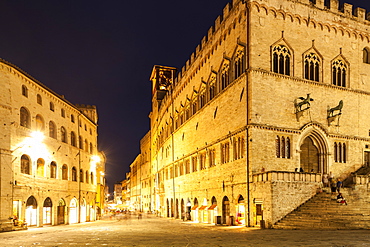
x: 62, y: 112
x: 63, y: 134
x: 92, y: 178
x: 52, y: 130
x: 366, y: 55
x: 25, y: 120
x: 39, y: 99
x: 72, y: 118
x: 40, y: 167
x: 24, y: 91
x: 91, y: 148
x: 65, y: 172
x: 81, y: 176
x: 73, y: 139
x: 74, y: 174
x: 39, y: 123
x: 53, y: 170
x: 25, y: 165
x: 80, y: 142
x: 87, y: 176
x: 51, y: 106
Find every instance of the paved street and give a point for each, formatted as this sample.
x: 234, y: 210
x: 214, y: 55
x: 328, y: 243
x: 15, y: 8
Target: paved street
x: 153, y: 231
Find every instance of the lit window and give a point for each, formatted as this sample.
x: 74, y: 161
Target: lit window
x: 39, y: 123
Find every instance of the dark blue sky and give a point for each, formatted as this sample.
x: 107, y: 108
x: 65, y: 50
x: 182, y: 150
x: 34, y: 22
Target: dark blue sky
x: 102, y: 53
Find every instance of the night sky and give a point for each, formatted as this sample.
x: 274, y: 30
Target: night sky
x: 102, y: 53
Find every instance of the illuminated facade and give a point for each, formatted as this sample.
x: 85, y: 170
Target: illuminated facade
x: 274, y: 96
x: 49, y: 158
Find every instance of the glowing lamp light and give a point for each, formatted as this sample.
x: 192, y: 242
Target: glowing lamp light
x: 37, y: 136
x: 95, y: 158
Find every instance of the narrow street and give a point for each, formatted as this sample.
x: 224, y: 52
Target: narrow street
x: 154, y: 231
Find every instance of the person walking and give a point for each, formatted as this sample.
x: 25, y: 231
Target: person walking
x: 339, y: 185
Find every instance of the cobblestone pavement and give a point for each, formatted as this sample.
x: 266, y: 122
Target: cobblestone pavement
x: 154, y: 231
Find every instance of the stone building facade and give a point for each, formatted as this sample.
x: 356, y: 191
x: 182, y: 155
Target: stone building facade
x: 49, y: 158
x: 273, y: 97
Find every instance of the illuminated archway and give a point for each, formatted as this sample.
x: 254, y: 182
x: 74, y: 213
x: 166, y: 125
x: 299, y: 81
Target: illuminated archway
x: 47, y: 211
x: 73, y: 214
x: 31, y: 211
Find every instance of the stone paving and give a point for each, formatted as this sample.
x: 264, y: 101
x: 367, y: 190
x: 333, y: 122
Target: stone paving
x: 154, y: 231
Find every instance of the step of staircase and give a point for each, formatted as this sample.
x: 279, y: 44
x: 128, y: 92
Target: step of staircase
x: 323, y: 212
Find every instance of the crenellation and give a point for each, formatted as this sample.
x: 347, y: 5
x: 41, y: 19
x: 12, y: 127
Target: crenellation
x: 360, y: 13
x: 218, y: 22
x: 226, y: 10
x: 347, y: 9
x: 320, y: 4
x: 334, y: 5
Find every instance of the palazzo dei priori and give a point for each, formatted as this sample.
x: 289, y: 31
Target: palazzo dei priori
x: 275, y: 96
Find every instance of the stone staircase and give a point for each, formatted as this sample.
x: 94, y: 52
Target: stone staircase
x: 324, y: 213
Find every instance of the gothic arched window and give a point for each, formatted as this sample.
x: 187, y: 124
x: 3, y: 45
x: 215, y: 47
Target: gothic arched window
x: 281, y: 60
x: 339, y: 70
x: 312, y: 68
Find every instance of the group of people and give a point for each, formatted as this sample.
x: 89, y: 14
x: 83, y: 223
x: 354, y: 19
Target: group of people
x: 335, y: 186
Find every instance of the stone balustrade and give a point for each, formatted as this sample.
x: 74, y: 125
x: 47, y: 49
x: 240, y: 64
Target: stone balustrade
x: 286, y: 176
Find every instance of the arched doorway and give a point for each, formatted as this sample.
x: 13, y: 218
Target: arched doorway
x: 73, y: 211
x: 213, y: 212
x: 313, y: 154
x: 194, y: 210
x: 31, y: 211
x: 47, y: 211
x: 240, y: 211
x: 225, y: 209
x: 61, y: 212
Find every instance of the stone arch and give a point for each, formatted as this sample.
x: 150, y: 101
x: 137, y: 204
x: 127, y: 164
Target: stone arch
x: 313, y: 149
x: 73, y: 211
x: 225, y: 209
x: 61, y: 212
x: 47, y: 211
x: 31, y: 211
